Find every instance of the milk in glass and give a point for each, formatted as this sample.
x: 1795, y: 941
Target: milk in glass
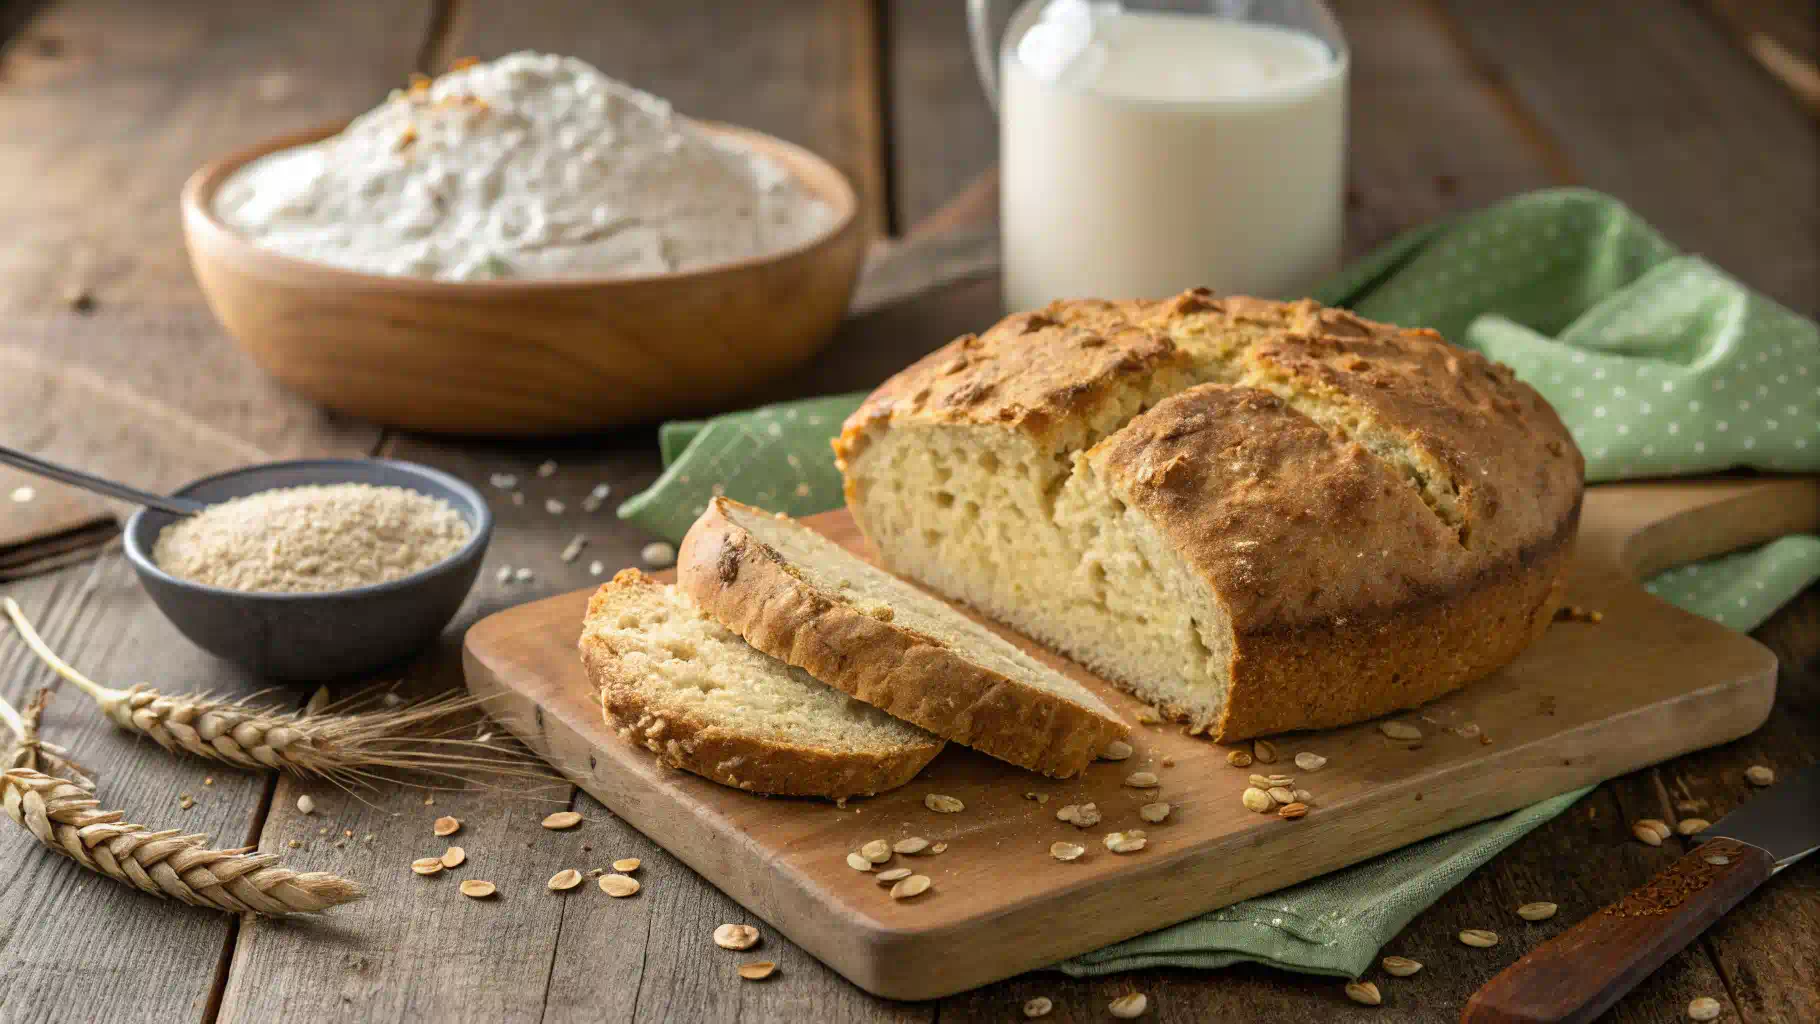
x: 1147, y: 152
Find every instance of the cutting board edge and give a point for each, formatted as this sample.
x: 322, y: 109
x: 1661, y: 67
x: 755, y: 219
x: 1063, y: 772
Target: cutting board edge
x: 916, y: 964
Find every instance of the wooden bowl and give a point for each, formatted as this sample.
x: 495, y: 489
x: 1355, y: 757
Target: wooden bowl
x: 528, y: 356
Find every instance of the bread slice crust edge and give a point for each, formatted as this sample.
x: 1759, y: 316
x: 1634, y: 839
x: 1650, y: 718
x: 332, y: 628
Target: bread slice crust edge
x: 747, y: 586
x: 690, y: 742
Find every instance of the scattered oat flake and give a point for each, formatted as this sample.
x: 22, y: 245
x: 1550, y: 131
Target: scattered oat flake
x: 618, y: 886
x: 1479, y: 938
x: 446, y: 826
x: 474, y: 888
x: 564, y: 880
x: 1760, y: 775
x: 429, y: 800
x: 572, y: 550
x: 453, y: 857
x: 422, y: 865
x: 736, y: 936
x: 1130, y: 1006
x: 914, y: 844
x: 1154, y: 813
x: 1066, y: 851
x: 1124, y: 842
x: 758, y: 970
x: 595, y: 568
x: 1704, y: 1008
x: 910, y: 887
x: 554, y: 507
x: 1117, y: 750
x: 23, y: 494
x: 600, y: 491
x: 1363, y: 992
x: 1038, y: 1007
x: 658, y: 553
x: 627, y: 865
x: 1539, y: 911
x: 503, y: 481
x: 941, y: 803
x: 893, y: 875
x: 547, y: 468
x: 1310, y: 762
x: 562, y: 819
x: 1401, y: 966
x: 1400, y: 731
x: 523, y: 574
x: 504, y: 575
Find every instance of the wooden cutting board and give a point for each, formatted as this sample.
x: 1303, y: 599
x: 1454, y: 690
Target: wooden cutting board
x: 1586, y: 703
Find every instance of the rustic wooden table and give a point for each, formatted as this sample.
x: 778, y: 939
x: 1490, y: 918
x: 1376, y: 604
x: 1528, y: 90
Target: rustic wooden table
x: 1691, y: 110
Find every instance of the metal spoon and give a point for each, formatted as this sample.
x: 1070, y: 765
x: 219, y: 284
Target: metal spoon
x: 90, y: 482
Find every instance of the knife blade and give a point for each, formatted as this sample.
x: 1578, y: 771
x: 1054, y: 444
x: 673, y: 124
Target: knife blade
x: 1783, y: 820
x: 1580, y: 973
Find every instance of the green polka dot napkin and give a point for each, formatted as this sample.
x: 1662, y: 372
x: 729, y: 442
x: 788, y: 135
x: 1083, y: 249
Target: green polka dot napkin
x: 1660, y: 364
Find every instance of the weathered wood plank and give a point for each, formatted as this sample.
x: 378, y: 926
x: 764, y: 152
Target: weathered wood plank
x: 803, y: 70
x: 77, y: 945
x: 1431, y: 134
x: 1661, y: 110
x: 110, y: 104
x: 943, y: 133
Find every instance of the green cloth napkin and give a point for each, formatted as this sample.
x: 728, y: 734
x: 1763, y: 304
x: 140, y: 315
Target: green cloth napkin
x: 1659, y: 363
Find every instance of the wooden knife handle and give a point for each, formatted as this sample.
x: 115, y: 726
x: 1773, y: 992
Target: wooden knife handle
x: 1580, y: 973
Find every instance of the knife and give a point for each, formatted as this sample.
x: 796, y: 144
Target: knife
x: 1580, y: 973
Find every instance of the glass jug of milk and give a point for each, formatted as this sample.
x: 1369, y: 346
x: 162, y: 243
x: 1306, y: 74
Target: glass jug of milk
x: 1145, y: 148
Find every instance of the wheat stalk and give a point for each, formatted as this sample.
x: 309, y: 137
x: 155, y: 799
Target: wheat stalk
x: 163, y: 862
x: 342, y: 746
x: 30, y: 751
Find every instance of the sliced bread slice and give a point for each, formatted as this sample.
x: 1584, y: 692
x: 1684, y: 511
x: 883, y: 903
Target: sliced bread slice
x: 692, y: 692
x: 798, y: 596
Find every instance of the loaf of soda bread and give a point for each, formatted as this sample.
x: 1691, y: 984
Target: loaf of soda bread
x: 1257, y: 516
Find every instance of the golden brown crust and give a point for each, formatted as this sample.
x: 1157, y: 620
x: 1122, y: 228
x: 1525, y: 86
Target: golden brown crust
x: 1408, y: 540
x: 684, y: 740
x: 748, y: 587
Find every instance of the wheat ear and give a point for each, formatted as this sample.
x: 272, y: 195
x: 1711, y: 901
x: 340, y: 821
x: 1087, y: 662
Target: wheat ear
x: 30, y: 751
x: 341, y: 746
x: 164, y: 863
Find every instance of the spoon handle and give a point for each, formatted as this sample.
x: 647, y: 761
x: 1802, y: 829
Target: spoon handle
x: 77, y: 478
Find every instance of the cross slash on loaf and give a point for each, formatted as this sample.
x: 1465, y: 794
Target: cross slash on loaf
x: 798, y: 597
x: 1257, y: 516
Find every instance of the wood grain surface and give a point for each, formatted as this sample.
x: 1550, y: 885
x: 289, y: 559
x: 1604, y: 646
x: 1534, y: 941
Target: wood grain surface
x: 110, y: 103
x: 1584, y: 704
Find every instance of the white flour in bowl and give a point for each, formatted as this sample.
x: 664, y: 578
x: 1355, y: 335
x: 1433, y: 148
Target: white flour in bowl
x: 530, y: 166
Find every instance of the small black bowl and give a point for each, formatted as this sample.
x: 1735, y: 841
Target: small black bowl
x: 312, y: 637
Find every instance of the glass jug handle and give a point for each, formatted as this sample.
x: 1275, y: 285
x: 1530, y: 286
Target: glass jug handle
x: 985, y: 47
